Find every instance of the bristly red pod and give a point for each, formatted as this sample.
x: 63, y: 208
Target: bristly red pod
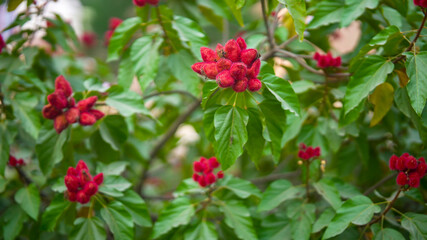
x: 232, y: 50
x: 209, y: 70
x: 242, y: 43
x: 223, y: 64
x: 139, y: 3
x: 50, y: 112
x: 60, y: 123
x: 249, y: 56
x: 87, y: 119
x: 253, y: 71
x: 72, y: 115
x: 82, y: 197
x: 220, y: 50
x: 58, y: 100
x: 86, y: 104
x: 238, y: 70
x: 240, y: 85
x: 153, y: 2
x: 98, y: 114
x: 197, y: 67
x: 208, y: 55
x: 63, y: 85
x: 99, y: 178
x: 254, y: 85
x: 114, y: 23
x: 224, y: 79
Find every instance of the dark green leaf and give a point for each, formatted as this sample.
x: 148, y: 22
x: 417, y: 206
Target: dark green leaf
x: 278, y: 192
x: 282, y: 90
x: 136, y: 206
x: 180, y: 66
x: 14, y: 219
x: 29, y: 200
x: 326, y: 188
x: 255, y: 144
x: 416, y: 68
x: 302, y: 218
x: 54, y: 212
x: 188, y: 186
x: 324, y: 220
x: 122, y: 34
x: 275, y: 228
x: 113, y: 130
x: 327, y: 12
x: 126, y: 73
x: 389, y: 234
x: 119, y: 220
x: 235, y: 10
x: 203, y: 230
x: 117, y: 182
x: 355, y: 8
x: 238, y: 218
x: 190, y: 32
x: 49, y: 147
x: 126, y: 102
x: 88, y: 229
x: 242, y: 188
x: 298, y: 12
x: 416, y: 224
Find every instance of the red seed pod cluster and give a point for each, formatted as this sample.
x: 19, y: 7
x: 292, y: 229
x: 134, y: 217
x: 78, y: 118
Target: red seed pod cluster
x: 80, y: 184
x: 141, y: 3
x: 231, y: 65
x: 13, y: 162
x: 305, y: 153
x: 204, y: 171
x: 88, y: 39
x: 326, y: 61
x: 410, y: 169
x: 114, y: 23
x: 63, y: 110
x: 2, y: 43
x: 421, y: 3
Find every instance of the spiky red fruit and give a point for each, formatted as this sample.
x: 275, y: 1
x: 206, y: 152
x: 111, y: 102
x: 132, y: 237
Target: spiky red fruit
x: 411, y: 162
x: 72, y: 115
x: 98, y: 114
x: 86, y: 104
x: 240, y: 85
x: 50, y: 112
x: 224, y: 79
x: 202, y: 181
x: 71, y: 171
x: 220, y: 50
x: 88, y: 39
x: 232, y: 50
x: 197, y: 67
x: 63, y: 85
x: 91, y: 188
x: 82, y: 197
x: 238, y: 71
x: 12, y: 161
x: 223, y: 64
x: 71, y: 196
x: 58, y: 100
x: 139, y: 3
x: 60, y: 123
x: 392, y: 162
x: 213, y: 162
x: 210, y: 178
x: 196, y: 177
x: 81, y: 165
x: 242, y: 43
x: 209, y: 70
x: 198, y: 166
x: 153, y: 2
x: 208, y: 55
x: 2, y: 43
x: 72, y: 183
x: 254, y: 85
x: 99, y: 178
x: 253, y: 71
x: 87, y: 119
x: 402, y: 179
x: 84, y: 177
x: 107, y: 37
x: 220, y: 174
x: 414, y: 180
x: 249, y: 56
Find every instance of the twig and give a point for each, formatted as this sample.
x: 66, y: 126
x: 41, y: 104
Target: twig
x: 386, y: 209
x: 269, y: 33
x: 27, y: 181
x: 379, y: 183
x: 169, y: 92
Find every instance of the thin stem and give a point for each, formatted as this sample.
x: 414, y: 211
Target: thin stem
x: 378, y: 184
x: 25, y: 179
x: 269, y: 33
x: 387, y: 208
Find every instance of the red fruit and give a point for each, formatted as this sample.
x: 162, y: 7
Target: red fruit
x: 60, y: 123
x: 88, y: 39
x: 98, y: 114
x: 402, y: 179
x: 322, y: 62
x: 2, y: 43
x: 302, y: 146
x: 232, y: 50
x: 421, y: 159
x: 253, y: 71
x: 87, y: 119
x: 421, y: 169
x: 316, y: 56
x: 153, y: 2
x: 72, y: 183
x: 223, y: 64
x: 303, y: 155
x: 220, y: 174
x: 107, y: 37
x: 414, y: 180
x: 84, y: 177
x: 196, y: 177
x: 242, y: 43
x: 86, y: 104
x: 411, y: 162
x: 208, y: 55
x: 71, y: 196
x: 202, y: 181
x: 203, y: 160
x: 197, y: 67
x: 72, y: 115
x: 238, y: 71
x: 254, y: 85
x: 58, y: 100
x: 337, y: 62
x: 249, y: 56
x: 82, y: 197
x: 99, y: 178
x: 20, y: 162
x: 210, y: 178
x: 316, y: 152
x: 81, y: 165
x: 224, y: 79
x: 61, y: 84
x: 400, y: 163
x: 91, y: 188
x: 220, y: 50
x: 50, y: 112
x: 209, y: 70
x: 207, y: 168
x: 72, y: 171
x: 12, y: 161
x: 241, y: 85
x: 71, y: 102
x: 392, y: 162
x: 213, y: 162
x: 310, y: 152
x: 114, y: 23
x: 139, y: 3
x: 198, y: 166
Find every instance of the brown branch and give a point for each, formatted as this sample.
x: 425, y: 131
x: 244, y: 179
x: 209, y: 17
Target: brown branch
x: 386, y: 209
x: 378, y: 184
x: 24, y: 178
x: 269, y: 32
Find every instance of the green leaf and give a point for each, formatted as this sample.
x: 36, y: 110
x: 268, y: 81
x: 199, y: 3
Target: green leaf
x: 209, y: 88
x: 324, y: 220
x: 382, y: 98
x: 113, y: 130
x: 275, y: 228
x: 88, y: 229
x: 122, y: 34
x: 114, y: 168
x: 187, y: 186
x: 370, y: 73
x: 389, y: 234
x: 14, y: 219
x: 190, y: 31
x: 236, y: 10
x: 242, y: 188
x: 302, y: 218
x: 278, y: 192
x: 293, y: 127
x: 416, y: 68
x: 49, y: 147
x: 28, y: 118
x: 355, y: 8
x: 238, y: 218
x: 283, y: 92
x: 203, y: 230
x: 275, y: 122
x: 110, y: 191
x: 326, y: 188
x: 118, y: 219
x: 180, y: 66
x: 53, y: 213
x: 178, y: 213
x: 29, y: 200
x: 136, y: 206
x: 126, y: 102
x: 230, y: 134
x: 358, y: 210
x: 117, y: 182
x: 326, y: 12
x: 126, y: 72
x: 416, y: 224
x: 4, y: 149
x: 298, y: 12
x: 255, y: 144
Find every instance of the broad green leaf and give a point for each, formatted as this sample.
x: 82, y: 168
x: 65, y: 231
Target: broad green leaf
x: 326, y: 12
x: 209, y: 88
x: 88, y: 229
x: 126, y: 102
x: 4, y: 149
x: 208, y: 123
x: 28, y: 118
x: 53, y: 213
x: 114, y: 168
x: 255, y: 144
x: 298, y: 12
x: 416, y: 68
x: 370, y: 73
x: 416, y: 224
x: 358, y: 210
x: 14, y: 219
x: 190, y: 32
x: 278, y: 192
x: 119, y: 220
x: 234, y: 7
x: 110, y: 191
x: 49, y: 147
x: 355, y: 8
x: 178, y: 213
x: 302, y: 218
x: 29, y: 200
x: 293, y: 127
x: 238, y: 218
x: 180, y: 66
x: 122, y: 34
x: 282, y: 90
x: 117, y: 182
x: 136, y: 206
x: 126, y: 73
x: 275, y: 121
x: 327, y: 190
x: 187, y: 186
x: 389, y: 234
x: 382, y: 98
x: 113, y: 130
x: 324, y: 220
x: 203, y: 230
x: 275, y: 228
x: 242, y: 188
x: 230, y: 134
